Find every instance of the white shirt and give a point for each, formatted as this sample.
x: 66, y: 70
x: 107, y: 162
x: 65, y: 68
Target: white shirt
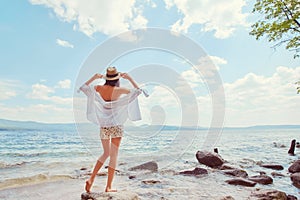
x: 111, y: 113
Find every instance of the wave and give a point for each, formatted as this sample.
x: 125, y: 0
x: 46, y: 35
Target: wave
x: 25, y: 154
x: 4, y: 165
x: 39, y: 178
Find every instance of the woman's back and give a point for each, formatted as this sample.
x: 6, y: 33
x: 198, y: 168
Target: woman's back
x: 110, y: 93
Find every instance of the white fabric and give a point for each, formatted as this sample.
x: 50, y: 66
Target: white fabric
x: 112, y: 113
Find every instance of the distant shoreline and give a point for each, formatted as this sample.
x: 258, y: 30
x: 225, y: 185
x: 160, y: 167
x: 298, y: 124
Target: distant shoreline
x: 6, y: 124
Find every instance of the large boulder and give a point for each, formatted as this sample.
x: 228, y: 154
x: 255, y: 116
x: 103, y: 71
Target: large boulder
x: 152, y: 166
x: 296, y: 179
x: 295, y: 167
x: 241, y: 181
x: 122, y: 195
x: 209, y: 159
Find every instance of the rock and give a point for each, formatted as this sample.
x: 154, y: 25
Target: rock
x: 225, y: 167
x: 269, y: 195
x: 297, y: 145
x: 195, y: 172
x: 242, y: 182
x: 291, y: 197
x: 152, y: 166
x: 279, y: 145
x: 296, y: 179
x: 276, y: 174
x: 168, y: 172
x: 272, y: 166
x: 236, y: 173
x: 121, y: 195
x: 209, y: 159
x: 150, y: 182
x: 132, y: 177
x: 292, y: 147
x: 227, y: 198
x: 295, y: 167
x: 216, y: 150
x: 261, y: 179
x: 83, y: 168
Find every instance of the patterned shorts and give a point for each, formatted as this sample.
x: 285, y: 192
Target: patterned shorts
x: 111, y: 132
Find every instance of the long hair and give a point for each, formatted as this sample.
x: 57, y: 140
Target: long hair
x: 115, y: 83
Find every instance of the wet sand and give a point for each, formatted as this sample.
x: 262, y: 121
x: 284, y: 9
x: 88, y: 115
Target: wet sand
x: 174, y: 187
x: 64, y: 189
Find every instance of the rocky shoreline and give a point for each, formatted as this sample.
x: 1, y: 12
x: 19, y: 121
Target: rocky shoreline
x: 215, y: 163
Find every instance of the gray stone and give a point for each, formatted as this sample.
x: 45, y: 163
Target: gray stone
x: 261, y: 179
x: 121, y: 195
x: 272, y: 166
x: 236, y: 173
x: 269, y: 195
x: 296, y: 179
x: 195, y: 172
x: 292, y: 147
x: 209, y: 159
x: 291, y: 197
x: 152, y: 166
x: 276, y: 174
x: 227, y: 198
x: 225, y: 167
x: 150, y: 182
x: 295, y: 167
x: 241, y: 181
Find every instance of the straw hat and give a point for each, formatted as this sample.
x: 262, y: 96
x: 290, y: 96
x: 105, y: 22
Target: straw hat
x: 112, y: 74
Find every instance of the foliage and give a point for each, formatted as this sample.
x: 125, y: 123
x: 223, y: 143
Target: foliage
x: 280, y: 23
x: 298, y: 88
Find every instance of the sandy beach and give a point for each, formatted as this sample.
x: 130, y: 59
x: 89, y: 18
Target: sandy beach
x: 63, y: 189
x: 73, y: 188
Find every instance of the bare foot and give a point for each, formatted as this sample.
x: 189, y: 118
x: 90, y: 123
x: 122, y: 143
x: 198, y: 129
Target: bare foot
x: 88, y: 186
x: 110, y: 190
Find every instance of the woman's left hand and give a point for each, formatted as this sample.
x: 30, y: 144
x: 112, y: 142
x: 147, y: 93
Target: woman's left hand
x: 96, y: 76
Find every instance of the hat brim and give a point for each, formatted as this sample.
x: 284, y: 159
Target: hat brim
x: 112, y: 78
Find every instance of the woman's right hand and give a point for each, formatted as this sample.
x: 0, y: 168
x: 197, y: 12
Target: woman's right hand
x: 125, y: 76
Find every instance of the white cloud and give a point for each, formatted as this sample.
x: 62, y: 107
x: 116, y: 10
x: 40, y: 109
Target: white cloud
x: 218, y: 61
x: 65, y: 84
x: 105, y: 16
x: 46, y: 107
x: 256, y: 99
x: 43, y: 92
x: 40, y: 91
x: 64, y: 43
x: 221, y: 16
x: 8, y: 89
x: 48, y: 113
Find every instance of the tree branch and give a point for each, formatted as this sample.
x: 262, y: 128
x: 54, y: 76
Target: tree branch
x: 290, y: 12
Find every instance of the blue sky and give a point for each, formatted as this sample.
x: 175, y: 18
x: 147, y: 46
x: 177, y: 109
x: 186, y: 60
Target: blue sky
x: 44, y: 44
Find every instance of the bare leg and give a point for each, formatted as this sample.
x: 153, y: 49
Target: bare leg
x: 113, y: 153
x: 99, y: 163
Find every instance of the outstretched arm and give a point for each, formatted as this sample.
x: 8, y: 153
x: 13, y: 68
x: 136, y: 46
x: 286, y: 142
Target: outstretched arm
x: 126, y: 76
x: 96, y: 76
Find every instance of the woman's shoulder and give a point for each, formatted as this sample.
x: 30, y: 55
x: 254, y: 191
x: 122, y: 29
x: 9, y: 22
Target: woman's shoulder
x: 122, y: 90
x: 98, y: 87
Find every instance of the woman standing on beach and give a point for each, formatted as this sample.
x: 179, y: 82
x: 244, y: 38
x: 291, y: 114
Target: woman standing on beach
x: 109, y: 111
